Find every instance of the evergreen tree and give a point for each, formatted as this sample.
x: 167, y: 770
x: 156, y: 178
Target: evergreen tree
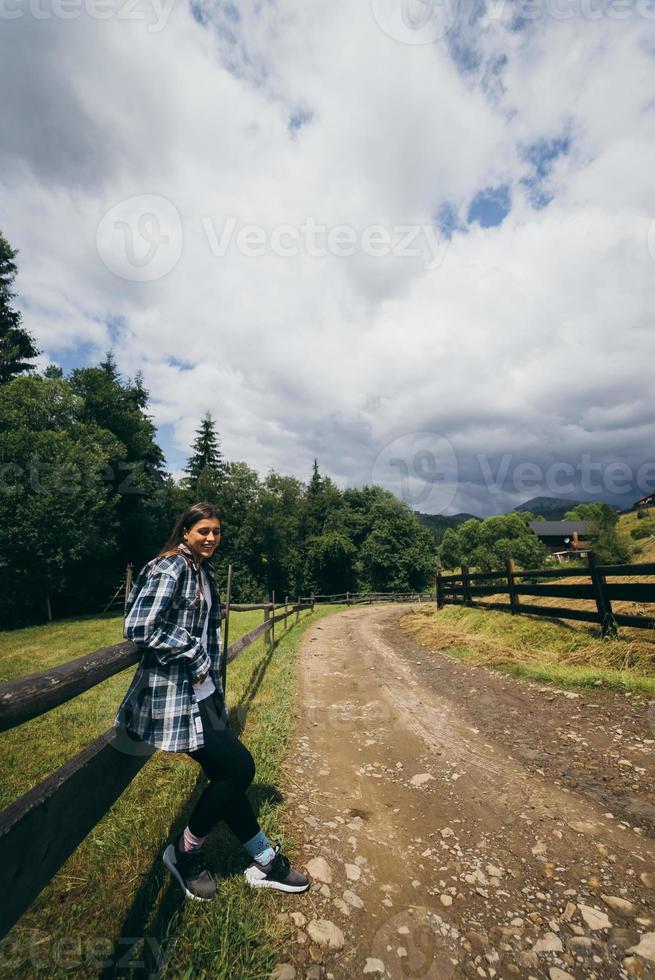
x: 17, y: 347
x: 238, y: 496
x: 206, y: 462
x: 322, y: 499
x: 135, y: 476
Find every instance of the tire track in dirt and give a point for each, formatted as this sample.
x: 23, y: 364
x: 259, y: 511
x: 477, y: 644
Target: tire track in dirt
x: 436, y: 846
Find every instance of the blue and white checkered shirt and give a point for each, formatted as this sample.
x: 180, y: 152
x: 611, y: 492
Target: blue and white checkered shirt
x: 166, y: 612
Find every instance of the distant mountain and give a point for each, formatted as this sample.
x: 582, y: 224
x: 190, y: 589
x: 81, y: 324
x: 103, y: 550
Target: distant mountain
x: 439, y: 524
x: 551, y: 508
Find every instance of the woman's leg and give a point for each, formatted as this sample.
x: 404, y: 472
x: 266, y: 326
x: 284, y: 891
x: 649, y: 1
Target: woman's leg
x: 230, y: 768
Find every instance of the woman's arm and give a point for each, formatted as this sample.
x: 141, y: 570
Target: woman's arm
x: 146, y: 625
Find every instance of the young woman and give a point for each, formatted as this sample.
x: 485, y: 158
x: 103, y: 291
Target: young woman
x: 176, y: 703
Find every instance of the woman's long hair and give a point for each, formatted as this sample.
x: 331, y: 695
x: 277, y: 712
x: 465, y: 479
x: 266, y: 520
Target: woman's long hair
x: 191, y: 516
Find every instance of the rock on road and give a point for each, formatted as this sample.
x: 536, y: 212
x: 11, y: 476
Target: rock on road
x: 460, y: 823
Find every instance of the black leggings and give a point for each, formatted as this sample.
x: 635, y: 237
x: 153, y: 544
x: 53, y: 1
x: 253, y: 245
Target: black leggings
x: 230, y: 769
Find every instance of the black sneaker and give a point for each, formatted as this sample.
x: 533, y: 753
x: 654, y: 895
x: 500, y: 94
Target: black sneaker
x: 188, y: 867
x: 278, y: 873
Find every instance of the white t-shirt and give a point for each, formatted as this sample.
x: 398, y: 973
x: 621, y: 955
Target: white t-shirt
x: 207, y: 688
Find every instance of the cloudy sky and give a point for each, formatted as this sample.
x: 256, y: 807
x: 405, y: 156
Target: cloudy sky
x: 411, y: 238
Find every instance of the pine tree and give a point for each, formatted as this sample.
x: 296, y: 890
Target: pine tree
x: 207, y: 458
x: 17, y: 347
x: 322, y: 499
x: 109, y: 365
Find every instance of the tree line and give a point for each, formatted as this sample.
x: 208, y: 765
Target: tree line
x: 84, y: 490
x: 487, y: 544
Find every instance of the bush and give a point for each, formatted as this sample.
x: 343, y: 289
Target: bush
x: 643, y: 531
x: 642, y: 514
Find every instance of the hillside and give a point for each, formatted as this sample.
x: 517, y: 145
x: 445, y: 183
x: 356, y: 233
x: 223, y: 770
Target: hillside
x: 644, y: 548
x: 439, y: 524
x: 551, y: 508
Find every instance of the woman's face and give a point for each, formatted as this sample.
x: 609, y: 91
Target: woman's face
x: 203, y: 538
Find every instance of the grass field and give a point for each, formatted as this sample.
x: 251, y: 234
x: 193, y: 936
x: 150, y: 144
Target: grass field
x: 644, y: 547
x: 553, y: 651
x: 112, y: 910
x: 558, y: 652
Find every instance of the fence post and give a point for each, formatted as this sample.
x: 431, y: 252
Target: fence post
x: 440, y: 592
x: 603, y: 604
x: 267, y: 616
x: 286, y: 610
x: 348, y: 599
x: 273, y: 623
x: 312, y: 600
x: 226, y: 630
x: 510, y: 568
x: 466, y: 584
x: 128, y: 584
x: 297, y: 610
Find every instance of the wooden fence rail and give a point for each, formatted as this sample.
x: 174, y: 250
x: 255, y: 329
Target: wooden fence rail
x: 41, y: 829
x: 463, y: 589
x: 357, y: 598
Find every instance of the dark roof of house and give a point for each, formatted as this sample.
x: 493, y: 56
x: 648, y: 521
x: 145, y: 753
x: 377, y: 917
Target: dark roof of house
x: 547, y: 529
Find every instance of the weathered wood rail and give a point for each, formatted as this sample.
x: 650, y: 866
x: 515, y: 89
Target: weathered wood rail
x: 465, y: 588
x: 42, y: 828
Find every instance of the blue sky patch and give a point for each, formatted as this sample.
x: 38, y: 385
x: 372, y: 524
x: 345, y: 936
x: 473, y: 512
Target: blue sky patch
x: 447, y: 220
x: 180, y: 364
x: 83, y: 354
x: 490, y: 206
x: 541, y: 156
x: 300, y: 118
x: 175, y: 458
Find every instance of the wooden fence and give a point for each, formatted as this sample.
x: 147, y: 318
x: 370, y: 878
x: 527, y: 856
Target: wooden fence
x: 464, y: 588
x: 41, y: 829
x: 358, y: 598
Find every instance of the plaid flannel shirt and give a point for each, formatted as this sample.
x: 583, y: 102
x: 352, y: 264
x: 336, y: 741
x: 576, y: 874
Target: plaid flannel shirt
x: 166, y: 612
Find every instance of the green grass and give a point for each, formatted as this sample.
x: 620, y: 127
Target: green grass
x: 114, y: 887
x: 553, y: 653
x: 644, y: 547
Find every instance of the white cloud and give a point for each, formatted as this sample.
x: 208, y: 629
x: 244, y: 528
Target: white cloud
x: 532, y: 338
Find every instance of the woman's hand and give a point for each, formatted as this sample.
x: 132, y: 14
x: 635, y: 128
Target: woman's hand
x: 202, y: 679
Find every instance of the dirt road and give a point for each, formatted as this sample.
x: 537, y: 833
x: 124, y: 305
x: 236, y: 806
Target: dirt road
x: 460, y: 823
